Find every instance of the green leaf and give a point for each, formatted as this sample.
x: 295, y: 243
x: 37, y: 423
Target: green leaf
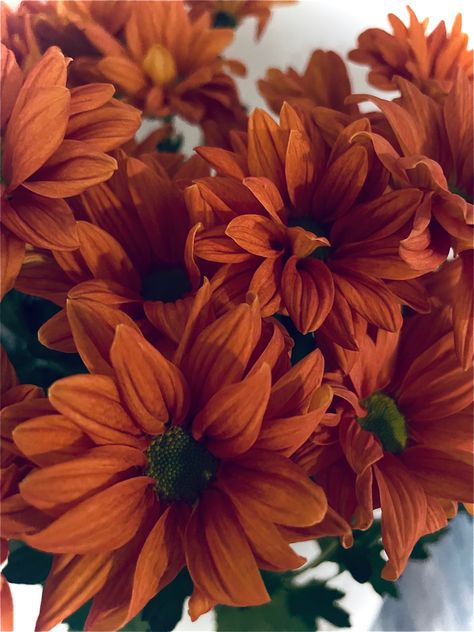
x: 304, y: 343
x: 421, y: 550
x: 27, y: 566
x: 293, y: 607
x: 164, y: 611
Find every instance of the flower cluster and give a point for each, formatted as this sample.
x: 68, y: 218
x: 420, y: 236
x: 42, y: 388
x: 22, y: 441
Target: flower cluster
x: 277, y: 331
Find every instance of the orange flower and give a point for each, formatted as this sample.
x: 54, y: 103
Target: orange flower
x: 324, y: 83
x: 433, y: 150
x: 169, y: 64
x: 430, y: 62
x: 229, y: 13
x: 135, y: 254
x: 404, y: 439
x: 307, y: 227
x: 53, y: 143
x: 189, y: 465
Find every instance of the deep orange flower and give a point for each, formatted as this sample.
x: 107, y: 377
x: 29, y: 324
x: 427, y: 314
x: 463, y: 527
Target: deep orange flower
x: 54, y: 141
x: 324, y: 82
x: 307, y: 227
x: 169, y: 63
x: 432, y: 149
x: 136, y: 245
x: 404, y: 437
x: 229, y: 13
x: 429, y: 61
x: 189, y: 464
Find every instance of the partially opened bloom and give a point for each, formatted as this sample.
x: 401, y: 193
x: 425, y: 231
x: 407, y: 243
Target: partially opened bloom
x: 309, y: 227
x: 403, y: 436
x: 54, y: 141
x: 429, y: 61
x: 324, y: 82
x: 189, y: 465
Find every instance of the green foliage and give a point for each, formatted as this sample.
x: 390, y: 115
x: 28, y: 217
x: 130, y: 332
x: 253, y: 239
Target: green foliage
x: 293, y: 607
x: 21, y: 317
x: 421, y: 550
x: 171, y: 145
x: 304, y: 343
x: 26, y: 565
x: 77, y: 620
x: 164, y: 611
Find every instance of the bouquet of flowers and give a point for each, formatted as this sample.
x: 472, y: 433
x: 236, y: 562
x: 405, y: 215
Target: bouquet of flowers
x: 215, y: 356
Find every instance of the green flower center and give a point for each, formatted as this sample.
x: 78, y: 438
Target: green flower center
x: 224, y: 19
x: 181, y: 467
x: 386, y: 421
x: 312, y: 226
x: 166, y: 284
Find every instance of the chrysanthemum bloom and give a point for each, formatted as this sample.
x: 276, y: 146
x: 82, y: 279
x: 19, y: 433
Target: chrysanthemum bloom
x: 404, y: 439
x: 189, y: 465
x: 307, y: 227
x: 324, y: 82
x: 169, y: 64
x: 429, y: 61
x: 135, y: 251
x: 230, y: 13
x: 433, y: 149
x: 54, y: 141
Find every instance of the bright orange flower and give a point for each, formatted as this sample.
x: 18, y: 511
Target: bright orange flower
x: 135, y: 254
x: 404, y: 438
x: 189, y: 465
x: 229, y: 13
x: 432, y: 149
x: 324, y: 83
x: 169, y: 64
x: 54, y: 141
x: 429, y: 61
x: 307, y: 227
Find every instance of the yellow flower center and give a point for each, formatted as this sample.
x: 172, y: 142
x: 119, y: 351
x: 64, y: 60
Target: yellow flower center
x: 160, y: 65
x: 181, y: 466
x: 386, y: 421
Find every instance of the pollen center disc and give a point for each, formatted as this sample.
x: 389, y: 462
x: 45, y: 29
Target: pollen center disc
x: 181, y: 466
x: 386, y: 421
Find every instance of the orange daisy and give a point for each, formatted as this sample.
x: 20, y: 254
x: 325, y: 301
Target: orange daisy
x: 54, y: 141
x: 432, y: 149
x: 169, y: 64
x: 307, y: 227
x: 324, y: 82
x: 126, y: 269
x: 189, y: 466
x: 430, y: 62
x: 403, y: 441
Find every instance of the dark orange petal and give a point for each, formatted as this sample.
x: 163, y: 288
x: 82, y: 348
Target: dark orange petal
x: 273, y: 487
x: 266, y: 148
x: 292, y: 394
x: 50, y: 439
x: 41, y: 222
x: 78, y: 478
x: 153, y: 389
x: 93, y: 403
x: 268, y: 196
x: 218, y: 554
x: 123, y: 72
x: 199, y: 603
x: 74, y: 167
x: 404, y: 508
x: 220, y: 353
x: 308, y: 292
x: 257, y: 235
x: 231, y: 419
x: 12, y: 253
x: 72, y: 581
x: 299, y: 171
x: 56, y: 333
x: 463, y: 311
x: 6, y: 605
x: 225, y: 162
x: 93, y: 328
x: 12, y: 78
x: 101, y: 523
x: 35, y: 132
